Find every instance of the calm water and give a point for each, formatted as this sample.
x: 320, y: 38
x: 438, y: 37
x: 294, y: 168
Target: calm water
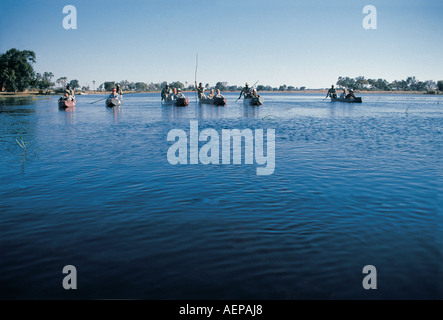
x: 353, y: 185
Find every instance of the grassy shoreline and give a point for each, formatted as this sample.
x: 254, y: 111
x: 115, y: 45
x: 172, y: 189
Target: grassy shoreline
x: 313, y: 91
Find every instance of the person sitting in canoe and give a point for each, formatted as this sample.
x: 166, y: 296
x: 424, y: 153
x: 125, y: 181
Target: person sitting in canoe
x: 350, y: 95
x: 254, y: 93
x: 332, y: 93
x: 179, y: 94
x: 343, y: 94
x: 70, y: 92
x: 211, y: 94
x: 114, y: 94
x: 65, y: 97
x: 218, y: 94
x: 172, y: 95
x: 246, y: 91
x: 200, y: 90
x: 166, y: 91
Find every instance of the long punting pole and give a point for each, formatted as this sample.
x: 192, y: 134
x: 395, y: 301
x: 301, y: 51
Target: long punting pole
x: 196, y: 67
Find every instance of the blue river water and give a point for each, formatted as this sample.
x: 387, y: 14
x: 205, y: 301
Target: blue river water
x: 354, y: 185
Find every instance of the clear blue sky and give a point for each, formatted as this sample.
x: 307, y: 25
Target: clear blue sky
x: 299, y: 43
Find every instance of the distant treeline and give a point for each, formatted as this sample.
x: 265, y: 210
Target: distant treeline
x: 223, y: 86
x: 410, y: 84
x: 17, y: 74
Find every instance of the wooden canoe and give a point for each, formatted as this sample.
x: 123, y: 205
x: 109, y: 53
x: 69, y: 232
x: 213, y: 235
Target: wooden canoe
x: 181, y: 102
x: 254, y: 101
x: 356, y: 100
x: 112, y: 102
x: 216, y: 101
x: 65, y: 104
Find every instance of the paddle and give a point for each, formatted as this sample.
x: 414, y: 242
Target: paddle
x: 242, y: 91
x: 97, y: 100
x: 119, y: 99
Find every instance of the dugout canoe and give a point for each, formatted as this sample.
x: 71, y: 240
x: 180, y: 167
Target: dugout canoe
x: 181, y: 102
x: 356, y: 100
x: 254, y: 101
x: 216, y: 101
x: 65, y: 104
x: 112, y: 102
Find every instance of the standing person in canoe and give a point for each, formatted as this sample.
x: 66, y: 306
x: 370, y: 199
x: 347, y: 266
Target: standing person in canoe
x: 331, y: 93
x: 246, y: 91
x: 166, y: 92
x: 200, y: 90
x: 119, y: 90
x: 350, y: 95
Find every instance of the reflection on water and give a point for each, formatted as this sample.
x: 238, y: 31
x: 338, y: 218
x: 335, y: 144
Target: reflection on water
x: 116, y: 112
x: 353, y: 185
x: 250, y: 111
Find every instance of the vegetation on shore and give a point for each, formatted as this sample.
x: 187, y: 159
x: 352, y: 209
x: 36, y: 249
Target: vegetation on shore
x: 17, y: 75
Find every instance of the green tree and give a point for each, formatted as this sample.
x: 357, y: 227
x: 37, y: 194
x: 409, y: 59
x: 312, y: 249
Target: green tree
x: 177, y: 84
x: 109, y: 85
x: 16, y: 71
x: 221, y: 85
x: 43, y: 82
x: 411, y: 83
x: 124, y: 84
x: 74, y: 84
x: 440, y: 85
x: 62, y: 82
x: 430, y: 85
x: 141, y: 86
x: 131, y: 86
x: 360, y: 82
x: 382, y: 84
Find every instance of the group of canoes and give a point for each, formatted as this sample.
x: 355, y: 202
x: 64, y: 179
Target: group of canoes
x: 174, y: 96
x: 350, y: 97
